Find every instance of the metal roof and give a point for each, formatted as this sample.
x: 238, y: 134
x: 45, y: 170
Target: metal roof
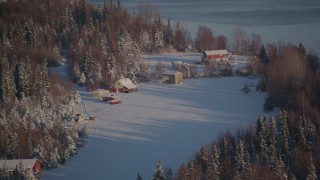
x: 126, y: 82
x: 171, y: 72
x: 12, y: 164
x: 223, y: 51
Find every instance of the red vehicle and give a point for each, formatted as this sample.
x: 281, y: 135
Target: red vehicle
x: 111, y: 99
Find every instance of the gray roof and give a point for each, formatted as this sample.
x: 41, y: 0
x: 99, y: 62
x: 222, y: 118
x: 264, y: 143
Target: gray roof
x: 171, y: 72
x: 12, y: 164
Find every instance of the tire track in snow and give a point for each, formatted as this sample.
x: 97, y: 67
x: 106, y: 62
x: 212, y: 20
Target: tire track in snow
x: 94, y: 129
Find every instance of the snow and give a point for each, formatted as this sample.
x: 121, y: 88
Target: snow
x: 167, y: 122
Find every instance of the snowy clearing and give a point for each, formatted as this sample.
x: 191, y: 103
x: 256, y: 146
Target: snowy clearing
x: 168, y: 122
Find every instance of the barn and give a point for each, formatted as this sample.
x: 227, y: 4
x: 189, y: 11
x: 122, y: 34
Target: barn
x: 34, y: 164
x: 124, y: 85
x: 173, y: 77
x: 213, y: 56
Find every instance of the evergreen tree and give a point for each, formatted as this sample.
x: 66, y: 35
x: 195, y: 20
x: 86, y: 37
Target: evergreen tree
x: 82, y: 80
x: 179, y: 38
x: 312, y: 172
x: 261, y: 136
x: 7, y: 85
x: 301, y: 139
x: 214, y: 165
x: 241, y: 161
x: 263, y: 56
x: 272, y: 144
x: 158, y: 40
x: 158, y: 173
x: 283, y: 135
x: 139, y: 177
x: 204, y: 158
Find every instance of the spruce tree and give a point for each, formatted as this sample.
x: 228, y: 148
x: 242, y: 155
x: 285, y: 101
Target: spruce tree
x: 312, y: 172
x: 301, y: 139
x: 272, y: 144
x: 214, y: 165
x: 283, y: 135
x: 261, y: 136
x: 158, y: 173
x: 263, y: 56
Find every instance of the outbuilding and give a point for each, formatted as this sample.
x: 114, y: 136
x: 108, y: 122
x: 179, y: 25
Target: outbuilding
x: 33, y: 164
x: 213, y: 56
x: 173, y: 77
x: 124, y: 85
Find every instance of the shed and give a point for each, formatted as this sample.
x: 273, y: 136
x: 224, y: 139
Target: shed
x: 173, y: 77
x: 124, y: 85
x: 34, y: 164
x: 99, y: 92
x: 215, y: 55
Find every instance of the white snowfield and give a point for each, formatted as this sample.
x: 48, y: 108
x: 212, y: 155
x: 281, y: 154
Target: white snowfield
x: 168, y: 122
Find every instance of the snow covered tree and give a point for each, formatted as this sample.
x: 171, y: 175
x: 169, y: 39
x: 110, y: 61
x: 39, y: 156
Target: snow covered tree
x: 144, y: 40
x: 261, y: 135
x: 11, y: 144
x: 82, y: 80
x: 54, y: 158
x: 129, y: 50
x: 240, y: 157
x: 185, y: 69
x: 283, y: 134
x: 214, y: 165
x: 4, y: 171
x: 38, y: 153
x: 204, y: 158
x: 301, y: 139
x: 43, y: 85
x: 24, y: 83
x: 272, y: 144
x: 158, y: 40
x: 158, y: 172
x: 29, y: 174
x: 75, y: 73
x: 312, y: 172
x: 7, y: 84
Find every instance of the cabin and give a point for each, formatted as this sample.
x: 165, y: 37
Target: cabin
x: 173, y: 77
x: 210, y: 57
x: 34, y: 164
x: 124, y: 85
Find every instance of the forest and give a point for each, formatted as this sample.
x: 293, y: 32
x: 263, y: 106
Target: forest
x: 104, y: 43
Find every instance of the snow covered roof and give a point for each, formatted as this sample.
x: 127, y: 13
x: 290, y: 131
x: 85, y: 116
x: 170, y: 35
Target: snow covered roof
x: 126, y: 82
x: 12, y: 164
x: 171, y: 72
x: 223, y: 51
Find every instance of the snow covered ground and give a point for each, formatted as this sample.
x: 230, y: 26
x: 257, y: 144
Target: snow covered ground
x: 168, y: 122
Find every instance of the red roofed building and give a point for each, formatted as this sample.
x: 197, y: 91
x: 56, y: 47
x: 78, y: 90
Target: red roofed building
x: 213, y: 56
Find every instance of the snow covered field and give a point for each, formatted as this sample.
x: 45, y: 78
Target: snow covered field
x: 168, y: 122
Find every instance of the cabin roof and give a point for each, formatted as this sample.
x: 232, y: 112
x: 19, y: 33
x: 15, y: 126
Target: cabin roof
x: 171, y: 72
x: 213, y: 52
x: 12, y: 164
x: 126, y: 82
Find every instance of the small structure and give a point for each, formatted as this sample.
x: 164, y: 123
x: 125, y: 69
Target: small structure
x: 12, y: 165
x: 99, y: 92
x: 173, y: 77
x: 124, y: 86
x: 208, y: 57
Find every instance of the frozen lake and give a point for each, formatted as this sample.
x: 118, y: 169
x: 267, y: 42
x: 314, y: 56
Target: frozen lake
x: 292, y: 21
